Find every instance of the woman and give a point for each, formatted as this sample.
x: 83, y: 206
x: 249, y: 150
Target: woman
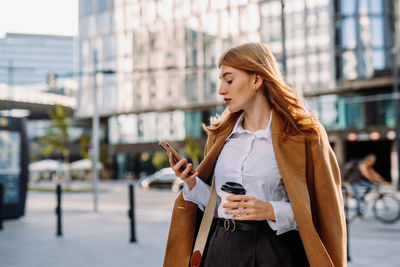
x: 292, y: 212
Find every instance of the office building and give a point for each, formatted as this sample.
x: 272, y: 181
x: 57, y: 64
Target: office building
x: 336, y: 53
x: 27, y: 59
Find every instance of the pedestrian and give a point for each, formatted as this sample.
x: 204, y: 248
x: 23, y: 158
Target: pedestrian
x: 266, y: 140
x: 363, y: 176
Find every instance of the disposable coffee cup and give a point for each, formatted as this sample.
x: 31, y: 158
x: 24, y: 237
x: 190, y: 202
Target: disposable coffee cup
x: 231, y: 188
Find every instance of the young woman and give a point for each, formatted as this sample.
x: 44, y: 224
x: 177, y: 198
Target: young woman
x: 266, y: 140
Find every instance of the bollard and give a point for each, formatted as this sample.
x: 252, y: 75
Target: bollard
x: 346, y: 213
x: 1, y: 205
x: 58, y: 210
x: 131, y: 212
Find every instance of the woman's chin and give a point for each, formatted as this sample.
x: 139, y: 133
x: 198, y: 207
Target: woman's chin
x: 232, y: 109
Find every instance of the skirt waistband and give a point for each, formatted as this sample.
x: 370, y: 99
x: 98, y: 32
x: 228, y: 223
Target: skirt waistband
x: 235, y: 225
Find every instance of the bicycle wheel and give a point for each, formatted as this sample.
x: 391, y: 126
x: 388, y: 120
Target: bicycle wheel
x: 349, y: 205
x: 386, y: 208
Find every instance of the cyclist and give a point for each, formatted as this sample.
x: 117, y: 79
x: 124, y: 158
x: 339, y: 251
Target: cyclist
x: 364, y: 175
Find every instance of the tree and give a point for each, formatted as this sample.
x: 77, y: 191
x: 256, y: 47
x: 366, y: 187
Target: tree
x: 160, y: 159
x: 84, y: 143
x: 57, y: 137
x: 193, y: 151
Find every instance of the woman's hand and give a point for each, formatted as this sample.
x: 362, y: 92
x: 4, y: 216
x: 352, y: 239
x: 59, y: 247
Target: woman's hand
x: 248, y: 208
x: 190, y: 180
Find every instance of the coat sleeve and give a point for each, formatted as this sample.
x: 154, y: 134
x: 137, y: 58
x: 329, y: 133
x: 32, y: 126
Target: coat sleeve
x: 326, y: 199
x: 182, y: 229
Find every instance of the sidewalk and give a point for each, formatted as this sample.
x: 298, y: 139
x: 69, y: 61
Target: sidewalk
x: 102, y: 239
x: 374, y: 244
x: 90, y: 239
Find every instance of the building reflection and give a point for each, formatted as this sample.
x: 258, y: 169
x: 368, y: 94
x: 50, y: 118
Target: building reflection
x: 335, y: 52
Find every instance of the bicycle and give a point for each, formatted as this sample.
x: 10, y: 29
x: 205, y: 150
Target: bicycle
x: 385, y: 205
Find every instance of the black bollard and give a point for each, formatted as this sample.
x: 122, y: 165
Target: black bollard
x: 1, y: 205
x: 346, y: 213
x: 58, y: 210
x: 131, y: 212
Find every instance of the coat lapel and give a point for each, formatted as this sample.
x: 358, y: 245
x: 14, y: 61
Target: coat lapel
x: 290, y: 156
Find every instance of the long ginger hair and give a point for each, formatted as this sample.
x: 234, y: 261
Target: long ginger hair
x: 255, y: 58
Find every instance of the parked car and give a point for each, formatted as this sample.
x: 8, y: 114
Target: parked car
x: 164, y: 178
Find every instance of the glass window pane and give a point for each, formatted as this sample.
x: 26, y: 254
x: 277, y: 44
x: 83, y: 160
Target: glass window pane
x: 349, y: 33
x: 191, y: 55
x: 210, y: 84
x: 191, y: 87
x: 209, y: 54
x: 348, y: 7
x: 88, y: 7
x: 378, y: 59
x: 375, y: 6
x: 354, y: 115
x: 328, y: 111
x: 377, y: 39
x: 102, y: 5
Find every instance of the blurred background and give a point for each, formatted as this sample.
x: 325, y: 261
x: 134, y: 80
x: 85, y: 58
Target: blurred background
x: 156, y: 78
x: 105, y: 80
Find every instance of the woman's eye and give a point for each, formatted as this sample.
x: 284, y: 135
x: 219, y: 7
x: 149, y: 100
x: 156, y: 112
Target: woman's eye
x: 229, y: 82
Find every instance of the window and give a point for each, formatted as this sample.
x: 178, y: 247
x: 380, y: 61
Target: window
x: 191, y: 86
x: 88, y: 7
x: 102, y: 5
x: 210, y: 84
x: 349, y: 37
x: 348, y: 7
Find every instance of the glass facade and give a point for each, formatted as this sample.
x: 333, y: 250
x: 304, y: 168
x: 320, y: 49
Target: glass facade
x: 363, y: 30
x: 147, y: 127
x: 363, y: 39
x: 299, y: 34
x: 32, y: 57
x: 164, y: 53
x: 356, y: 112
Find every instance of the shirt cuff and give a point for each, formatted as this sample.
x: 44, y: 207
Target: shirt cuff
x: 199, y: 193
x: 284, y: 217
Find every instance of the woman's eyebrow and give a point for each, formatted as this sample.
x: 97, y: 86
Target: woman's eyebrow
x: 225, y: 74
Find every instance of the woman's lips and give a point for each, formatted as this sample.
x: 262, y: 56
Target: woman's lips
x: 227, y: 100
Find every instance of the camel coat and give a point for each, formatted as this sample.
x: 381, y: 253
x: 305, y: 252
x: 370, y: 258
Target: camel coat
x: 311, y: 176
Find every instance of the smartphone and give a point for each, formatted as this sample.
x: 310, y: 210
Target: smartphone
x: 168, y: 148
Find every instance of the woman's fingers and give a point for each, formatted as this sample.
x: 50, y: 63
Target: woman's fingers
x: 248, y: 207
x: 186, y: 170
x: 177, y: 167
x: 239, y: 198
x: 171, y: 159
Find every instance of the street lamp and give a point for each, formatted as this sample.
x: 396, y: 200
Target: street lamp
x: 95, y: 131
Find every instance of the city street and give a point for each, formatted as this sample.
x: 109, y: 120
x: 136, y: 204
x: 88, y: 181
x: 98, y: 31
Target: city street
x: 102, y: 238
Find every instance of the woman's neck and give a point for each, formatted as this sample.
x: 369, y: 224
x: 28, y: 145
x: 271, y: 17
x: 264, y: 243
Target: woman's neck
x: 257, y: 117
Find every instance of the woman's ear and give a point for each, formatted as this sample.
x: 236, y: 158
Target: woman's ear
x: 258, y: 81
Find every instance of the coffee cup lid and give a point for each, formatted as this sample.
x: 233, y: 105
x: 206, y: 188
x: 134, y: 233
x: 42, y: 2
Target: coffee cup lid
x: 233, y: 188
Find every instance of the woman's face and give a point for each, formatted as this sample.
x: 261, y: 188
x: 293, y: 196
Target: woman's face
x: 236, y: 88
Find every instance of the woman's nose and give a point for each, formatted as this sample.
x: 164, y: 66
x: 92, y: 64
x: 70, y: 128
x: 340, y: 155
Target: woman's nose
x: 222, y: 90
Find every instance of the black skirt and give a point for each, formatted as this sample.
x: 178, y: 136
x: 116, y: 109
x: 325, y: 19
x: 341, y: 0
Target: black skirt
x: 253, y: 244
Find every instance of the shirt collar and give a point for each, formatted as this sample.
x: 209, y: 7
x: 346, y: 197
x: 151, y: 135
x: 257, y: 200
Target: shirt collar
x: 263, y: 133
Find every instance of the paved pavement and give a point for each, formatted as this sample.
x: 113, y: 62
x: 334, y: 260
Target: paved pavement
x: 102, y: 238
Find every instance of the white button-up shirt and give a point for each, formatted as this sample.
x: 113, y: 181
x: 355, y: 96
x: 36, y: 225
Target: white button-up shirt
x: 248, y: 158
